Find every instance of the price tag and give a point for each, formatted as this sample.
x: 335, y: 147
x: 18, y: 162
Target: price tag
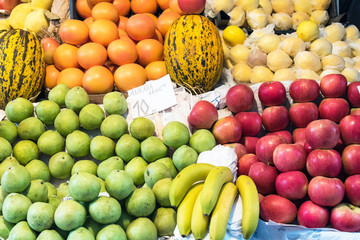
x: 2, y: 114
x: 358, y: 87
x: 153, y: 96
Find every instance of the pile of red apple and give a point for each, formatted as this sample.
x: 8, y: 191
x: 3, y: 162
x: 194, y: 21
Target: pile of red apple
x: 303, y: 158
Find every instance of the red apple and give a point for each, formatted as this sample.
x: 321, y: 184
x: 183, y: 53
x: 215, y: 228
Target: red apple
x: 191, y: 6
x: 283, y: 133
x: 278, y: 209
x: 345, y: 217
x: 292, y: 185
x: 251, y: 123
x: 353, y: 94
x: 265, y: 147
x: 307, y: 148
x: 326, y: 192
x: 312, y: 215
x: 301, y: 114
x: 304, y: 90
x: 352, y: 189
x: 298, y: 136
x: 240, y: 149
x: 49, y: 45
x: 351, y: 159
x: 333, y: 85
x: 239, y: 98
x: 325, y: 163
x: 227, y: 130
x: 289, y: 157
x: 275, y: 118
x: 333, y: 109
x: 355, y: 111
x: 272, y: 93
x: 8, y: 4
x: 203, y: 115
x: 261, y: 197
x: 264, y: 177
x: 350, y: 129
x: 245, y: 162
x: 322, y: 133
x: 249, y: 143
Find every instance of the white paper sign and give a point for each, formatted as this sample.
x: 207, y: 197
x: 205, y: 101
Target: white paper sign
x: 153, y: 96
x: 2, y: 114
x: 358, y: 87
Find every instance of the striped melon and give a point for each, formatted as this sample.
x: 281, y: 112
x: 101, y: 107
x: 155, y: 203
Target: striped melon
x: 193, y: 53
x: 22, y: 66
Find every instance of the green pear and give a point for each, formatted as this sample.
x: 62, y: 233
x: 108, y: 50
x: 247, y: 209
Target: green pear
x: 37, y: 191
x: 19, y: 109
x: 127, y: 147
x: 5, y: 149
x: 3, y: 195
x: 142, y: 128
x: 8, y: 130
x: 136, y: 169
x: 141, y: 202
x: 93, y: 226
x: 184, y: 156
x: 119, y: 184
x: 153, y: 148
x: 38, y: 170
x: 49, y: 234
x: 31, y: 128
x: 60, y: 165
x: 76, y: 98
x: 40, y: 216
x: 202, y: 140
x: 165, y: 221
x: 57, y: 94
x: 47, y: 111
x: 78, y: 143
x: 114, y: 126
x: 54, y: 201
x: 156, y: 171
x: 84, y: 166
x: 175, y: 134
x: 35, y: 21
x: 69, y: 215
x: 66, y: 122
x: 108, y: 165
x: 52, y: 191
x: 115, y: 103
x: 22, y: 231
x: 105, y: 210
x: 80, y: 233
x: 9, y: 161
x: 102, y: 147
x: 25, y: 151
x: 125, y: 219
x: 169, y: 163
x: 112, y: 232
x: 16, y: 178
x: 161, y: 191
x: 15, y: 207
x: 63, y: 190
x: 5, y: 227
x: 51, y: 142
x: 84, y: 186
x: 141, y: 228
x: 103, y: 188
x: 91, y: 116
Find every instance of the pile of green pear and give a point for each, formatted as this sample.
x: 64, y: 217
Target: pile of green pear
x: 71, y: 169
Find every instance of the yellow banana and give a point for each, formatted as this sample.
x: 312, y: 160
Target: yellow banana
x: 221, y: 213
x: 185, y: 179
x: 216, y: 178
x: 199, y: 222
x: 250, y: 203
x: 185, y: 209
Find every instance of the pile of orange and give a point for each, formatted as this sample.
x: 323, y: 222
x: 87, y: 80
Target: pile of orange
x: 119, y: 43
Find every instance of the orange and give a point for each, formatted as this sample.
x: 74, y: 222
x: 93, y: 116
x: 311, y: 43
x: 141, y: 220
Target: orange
x: 140, y: 26
x: 83, y: 8
x: 163, y: 4
x: 165, y: 20
x: 149, y: 50
x: 174, y: 6
x: 122, y: 32
x: 91, y: 54
x: 65, y: 56
x: 94, y: 2
x: 129, y: 76
x: 97, y: 80
x: 123, y: 6
x: 88, y: 20
x: 74, y: 32
x: 71, y: 77
x: 103, y: 31
x: 158, y: 36
x: 155, y: 70
x: 122, y: 22
x: 105, y: 10
x: 153, y: 17
x: 127, y: 38
x: 122, y: 52
x: 143, y: 6
x: 51, y: 74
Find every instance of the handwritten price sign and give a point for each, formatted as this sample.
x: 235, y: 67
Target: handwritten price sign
x: 153, y: 96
